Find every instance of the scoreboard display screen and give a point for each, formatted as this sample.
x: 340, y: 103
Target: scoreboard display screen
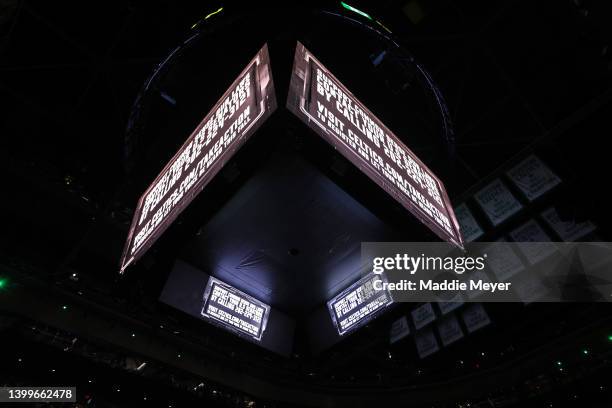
x: 248, y: 102
x: 358, y: 304
x: 320, y: 100
x: 231, y: 309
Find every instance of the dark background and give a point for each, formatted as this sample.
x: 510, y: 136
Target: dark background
x: 518, y: 77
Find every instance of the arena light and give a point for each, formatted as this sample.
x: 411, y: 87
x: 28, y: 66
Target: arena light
x: 220, y: 9
x: 384, y: 27
x: 354, y: 10
x: 209, y: 15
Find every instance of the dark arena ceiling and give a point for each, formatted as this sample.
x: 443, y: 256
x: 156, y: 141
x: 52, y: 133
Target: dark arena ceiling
x: 97, y: 98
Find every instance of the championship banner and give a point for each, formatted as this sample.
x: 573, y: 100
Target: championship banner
x: 399, y: 330
x: 450, y: 330
x: 497, y: 202
x: 469, y: 226
x: 423, y: 315
x: 426, y: 342
x: 533, y: 177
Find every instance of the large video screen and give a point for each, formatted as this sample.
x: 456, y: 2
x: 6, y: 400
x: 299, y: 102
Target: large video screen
x: 328, y: 107
x: 234, y: 310
x: 219, y: 302
x: 358, y: 304
x: 239, y: 112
